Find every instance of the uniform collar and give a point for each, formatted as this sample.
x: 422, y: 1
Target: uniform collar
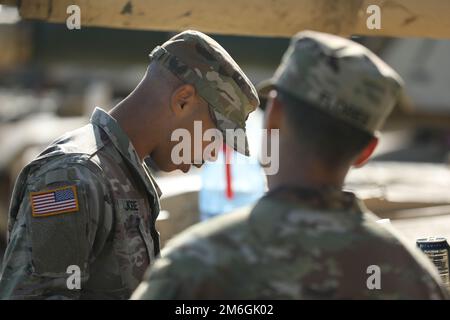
x: 287, y: 208
x: 123, y: 144
x: 328, y: 198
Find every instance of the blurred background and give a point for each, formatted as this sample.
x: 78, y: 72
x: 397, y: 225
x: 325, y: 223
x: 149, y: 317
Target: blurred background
x: 52, y: 78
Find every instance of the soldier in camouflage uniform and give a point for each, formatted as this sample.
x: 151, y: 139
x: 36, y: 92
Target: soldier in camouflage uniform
x: 306, y: 238
x: 89, y: 200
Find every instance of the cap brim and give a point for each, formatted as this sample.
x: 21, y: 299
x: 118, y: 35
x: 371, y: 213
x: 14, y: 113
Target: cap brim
x: 225, y: 124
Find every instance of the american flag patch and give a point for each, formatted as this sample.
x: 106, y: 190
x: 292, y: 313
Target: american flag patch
x: 56, y: 201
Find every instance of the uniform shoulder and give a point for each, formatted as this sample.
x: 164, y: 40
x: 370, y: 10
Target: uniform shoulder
x: 62, y: 164
x: 73, y: 150
x: 403, y: 258
x: 204, y: 247
x: 226, y: 225
x: 206, y: 243
x: 86, y: 140
x: 66, y: 167
x: 390, y: 241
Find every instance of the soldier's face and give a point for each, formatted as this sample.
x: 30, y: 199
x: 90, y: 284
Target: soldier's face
x: 185, y: 145
x: 197, y: 126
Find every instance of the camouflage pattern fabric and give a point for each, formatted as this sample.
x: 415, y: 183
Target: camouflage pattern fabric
x: 111, y: 237
x: 340, y: 77
x: 197, y: 59
x: 294, y: 244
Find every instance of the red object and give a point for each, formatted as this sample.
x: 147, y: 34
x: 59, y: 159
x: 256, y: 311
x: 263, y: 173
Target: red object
x: 229, y: 188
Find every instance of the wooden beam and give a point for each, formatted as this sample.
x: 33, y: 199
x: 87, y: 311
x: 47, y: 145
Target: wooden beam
x: 282, y: 18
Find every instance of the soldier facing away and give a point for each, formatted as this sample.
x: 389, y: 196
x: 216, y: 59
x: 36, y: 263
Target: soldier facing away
x: 306, y: 238
x: 88, y: 203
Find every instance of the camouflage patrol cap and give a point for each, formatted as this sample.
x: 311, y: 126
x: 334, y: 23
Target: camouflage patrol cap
x: 199, y: 60
x: 339, y: 76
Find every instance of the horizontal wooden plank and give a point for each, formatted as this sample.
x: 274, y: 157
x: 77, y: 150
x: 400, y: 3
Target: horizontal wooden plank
x: 403, y: 18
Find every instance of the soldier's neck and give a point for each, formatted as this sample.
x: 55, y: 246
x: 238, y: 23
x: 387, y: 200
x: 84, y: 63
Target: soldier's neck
x: 143, y: 131
x: 296, y: 171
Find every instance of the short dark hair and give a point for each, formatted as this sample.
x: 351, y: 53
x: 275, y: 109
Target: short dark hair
x: 329, y: 139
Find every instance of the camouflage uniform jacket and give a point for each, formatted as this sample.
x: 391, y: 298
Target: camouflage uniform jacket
x: 110, y: 235
x: 294, y: 244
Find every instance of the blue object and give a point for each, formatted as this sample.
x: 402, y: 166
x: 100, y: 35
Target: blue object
x: 248, y: 184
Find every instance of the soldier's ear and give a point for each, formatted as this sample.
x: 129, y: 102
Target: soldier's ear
x: 365, y: 154
x: 273, y: 113
x: 183, y: 99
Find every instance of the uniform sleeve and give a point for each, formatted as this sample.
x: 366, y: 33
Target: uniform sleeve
x: 61, y: 225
